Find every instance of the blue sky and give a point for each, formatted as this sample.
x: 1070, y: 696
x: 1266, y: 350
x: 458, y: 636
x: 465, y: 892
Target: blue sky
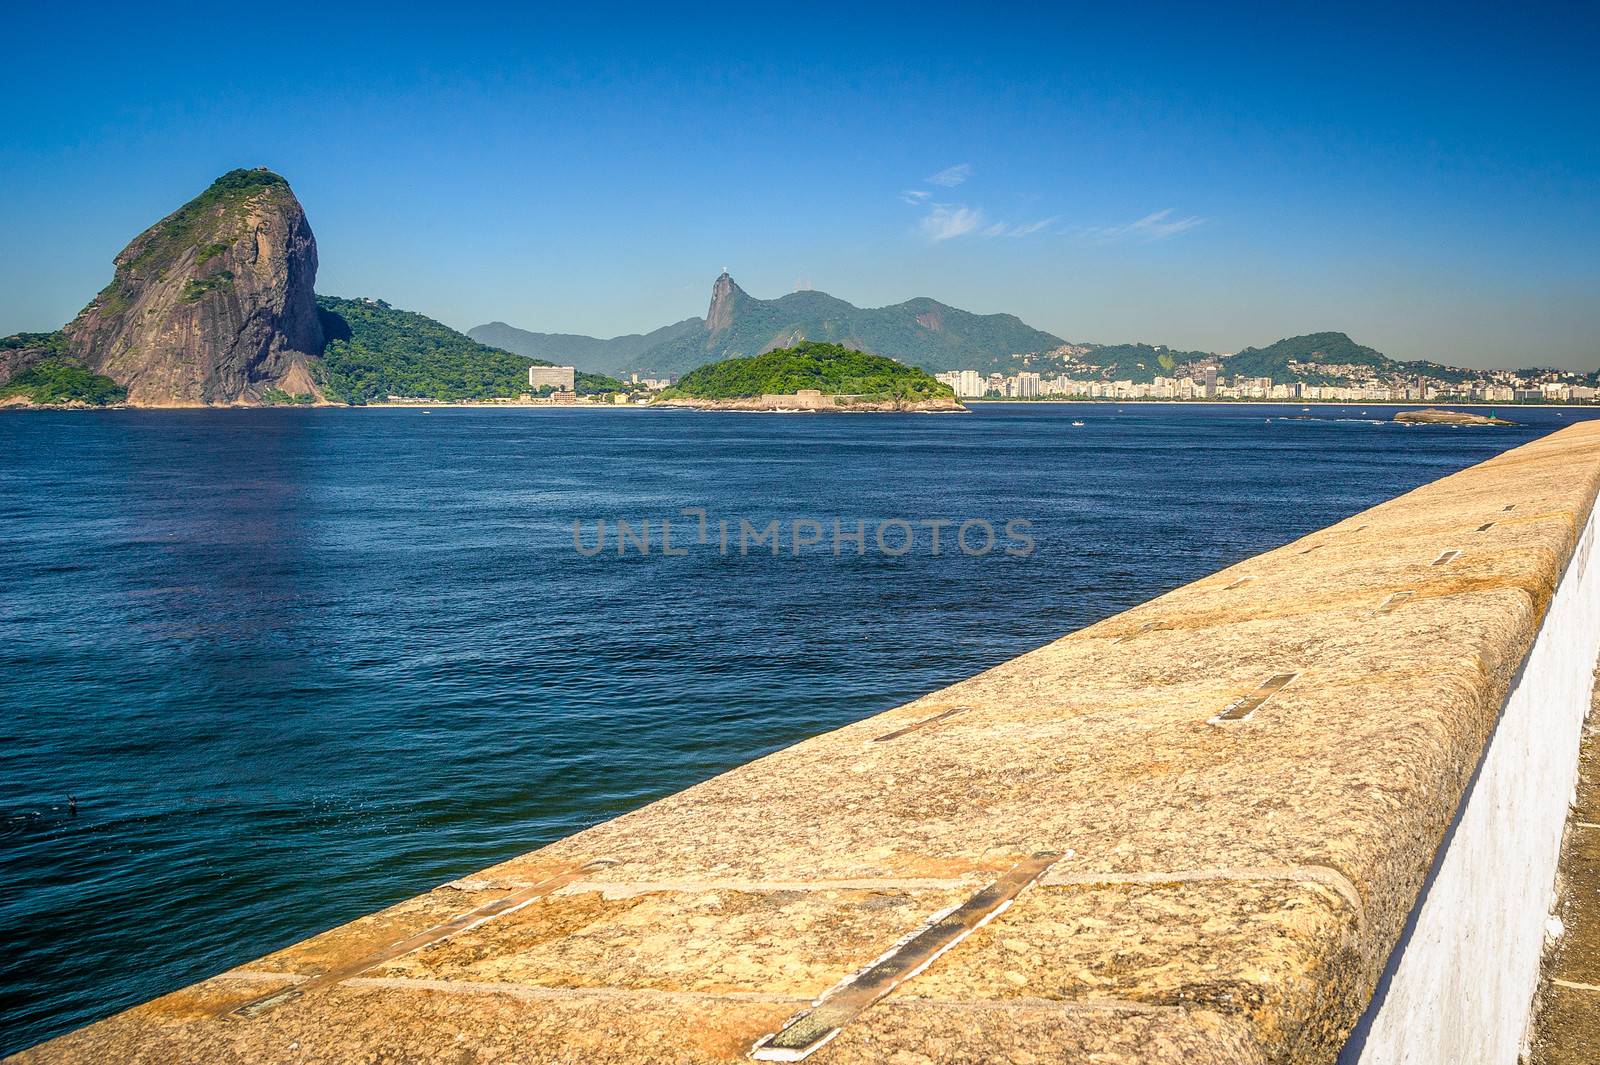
x: 1427, y: 180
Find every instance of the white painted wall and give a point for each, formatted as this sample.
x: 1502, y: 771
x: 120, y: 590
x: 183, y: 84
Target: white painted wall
x: 1458, y: 987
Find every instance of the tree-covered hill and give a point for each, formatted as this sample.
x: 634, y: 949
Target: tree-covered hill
x: 1139, y: 362
x: 1328, y: 350
x: 829, y: 368
x: 1322, y: 348
x: 375, y: 351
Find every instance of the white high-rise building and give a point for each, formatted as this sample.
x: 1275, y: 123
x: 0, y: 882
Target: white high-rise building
x: 967, y: 383
x: 561, y: 378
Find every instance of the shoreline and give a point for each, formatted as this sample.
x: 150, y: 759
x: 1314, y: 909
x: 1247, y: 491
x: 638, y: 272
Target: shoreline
x: 491, y: 404
x: 759, y: 407
x: 479, y: 404
x: 81, y: 408
x: 1279, y: 403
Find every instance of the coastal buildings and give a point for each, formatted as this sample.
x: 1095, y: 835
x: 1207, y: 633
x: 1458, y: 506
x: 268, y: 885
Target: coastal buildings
x: 971, y: 385
x: 1329, y: 367
x: 560, y: 378
x: 654, y: 384
x: 1497, y: 386
x: 966, y: 384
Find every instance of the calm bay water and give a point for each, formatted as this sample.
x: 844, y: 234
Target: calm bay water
x: 297, y: 665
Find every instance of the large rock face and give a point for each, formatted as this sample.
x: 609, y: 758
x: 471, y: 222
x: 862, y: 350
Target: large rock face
x: 724, y: 294
x: 212, y: 304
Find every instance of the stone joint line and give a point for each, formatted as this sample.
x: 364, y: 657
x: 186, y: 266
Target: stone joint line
x: 438, y: 933
x: 1573, y: 985
x: 1395, y: 600
x: 1245, y: 706
x: 1149, y: 626
x: 808, y: 1032
x: 924, y: 723
x: 624, y: 889
x: 1307, y: 874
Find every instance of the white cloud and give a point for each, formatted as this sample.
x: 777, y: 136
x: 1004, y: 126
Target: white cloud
x: 1158, y: 225
x: 946, y: 220
x: 951, y: 176
x: 1023, y: 229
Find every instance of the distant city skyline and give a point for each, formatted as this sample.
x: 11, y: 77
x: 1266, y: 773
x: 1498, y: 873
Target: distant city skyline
x: 1209, y: 179
x: 1500, y: 387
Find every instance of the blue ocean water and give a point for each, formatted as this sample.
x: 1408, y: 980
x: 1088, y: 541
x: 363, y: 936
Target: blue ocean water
x: 297, y: 665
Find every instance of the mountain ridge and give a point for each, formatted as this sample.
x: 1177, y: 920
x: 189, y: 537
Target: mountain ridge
x: 594, y: 354
x: 921, y: 331
x: 937, y: 337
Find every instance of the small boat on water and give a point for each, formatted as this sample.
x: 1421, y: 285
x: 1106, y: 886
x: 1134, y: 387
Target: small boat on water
x: 1077, y: 425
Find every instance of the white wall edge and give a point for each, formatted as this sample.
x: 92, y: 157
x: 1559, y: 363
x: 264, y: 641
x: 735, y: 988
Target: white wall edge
x: 1458, y: 988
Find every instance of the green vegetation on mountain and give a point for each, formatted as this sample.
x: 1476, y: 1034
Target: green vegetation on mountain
x: 277, y: 397
x: 196, y: 287
x: 594, y: 384
x: 921, y: 332
x: 182, y: 227
x: 831, y: 369
x: 1322, y: 348
x: 610, y: 356
x: 52, y: 381
x: 1141, y: 363
x: 375, y: 351
x: 52, y: 343
x: 1438, y: 371
x: 48, y: 374
x: 1329, y: 350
